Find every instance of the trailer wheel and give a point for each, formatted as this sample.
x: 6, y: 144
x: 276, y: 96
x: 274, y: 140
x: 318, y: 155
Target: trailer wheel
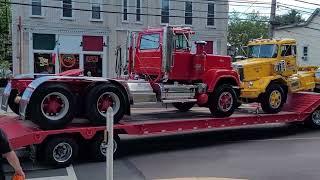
x: 183, y: 107
x: 273, y: 99
x: 52, y: 106
x: 60, y: 151
x: 100, y: 98
x: 223, y: 101
x: 98, y: 148
x: 13, y: 106
x: 314, y: 120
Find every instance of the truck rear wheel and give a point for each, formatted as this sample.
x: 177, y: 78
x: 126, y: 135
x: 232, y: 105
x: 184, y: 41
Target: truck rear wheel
x: 273, y: 99
x: 314, y: 120
x: 183, y: 107
x: 223, y: 101
x: 98, y: 147
x: 100, y: 98
x: 60, y: 151
x: 51, y: 106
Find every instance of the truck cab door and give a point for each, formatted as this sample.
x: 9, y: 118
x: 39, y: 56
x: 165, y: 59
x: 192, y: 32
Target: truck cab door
x: 288, y: 54
x: 148, y: 54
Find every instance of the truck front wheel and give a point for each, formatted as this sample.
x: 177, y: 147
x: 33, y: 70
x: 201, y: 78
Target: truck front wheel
x: 100, y: 98
x: 273, y: 99
x: 183, y: 107
x: 223, y: 101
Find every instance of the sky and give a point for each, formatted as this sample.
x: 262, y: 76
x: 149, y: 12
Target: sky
x: 252, y: 5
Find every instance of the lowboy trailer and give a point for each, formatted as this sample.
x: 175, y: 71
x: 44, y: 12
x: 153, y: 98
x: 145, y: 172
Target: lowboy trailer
x: 60, y: 147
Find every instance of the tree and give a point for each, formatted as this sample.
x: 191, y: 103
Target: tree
x: 5, y: 20
x: 292, y: 17
x: 240, y: 31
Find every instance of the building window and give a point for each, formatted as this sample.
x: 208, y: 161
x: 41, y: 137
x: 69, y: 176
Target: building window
x: 305, y: 53
x: 44, y: 41
x: 209, y: 47
x: 211, y: 9
x: 93, y: 65
x: 138, y: 11
x: 188, y: 13
x: 67, y: 8
x: 36, y: 8
x: 92, y: 43
x: 43, y: 63
x: 165, y: 11
x: 96, y: 9
x: 125, y: 10
x: 69, y: 61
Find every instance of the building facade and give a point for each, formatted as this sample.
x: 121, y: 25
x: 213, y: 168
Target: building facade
x: 307, y: 35
x: 57, y: 35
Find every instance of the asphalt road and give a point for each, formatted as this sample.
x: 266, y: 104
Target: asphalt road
x: 263, y: 152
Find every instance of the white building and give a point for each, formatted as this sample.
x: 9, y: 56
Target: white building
x: 307, y: 35
x: 57, y: 35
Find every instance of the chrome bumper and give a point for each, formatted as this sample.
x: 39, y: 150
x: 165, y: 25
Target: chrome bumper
x: 5, y: 97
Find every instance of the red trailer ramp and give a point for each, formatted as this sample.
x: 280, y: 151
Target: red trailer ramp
x: 300, y: 107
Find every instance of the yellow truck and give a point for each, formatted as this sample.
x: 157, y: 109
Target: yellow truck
x: 270, y: 72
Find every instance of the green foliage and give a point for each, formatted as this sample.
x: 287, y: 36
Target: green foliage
x: 292, y: 17
x: 5, y: 20
x: 242, y: 31
x: 5, y: 71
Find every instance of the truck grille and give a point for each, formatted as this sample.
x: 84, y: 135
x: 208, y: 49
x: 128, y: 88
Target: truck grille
x: 241, y: 73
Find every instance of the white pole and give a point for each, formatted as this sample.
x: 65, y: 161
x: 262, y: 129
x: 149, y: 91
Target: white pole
x: 109, y: 155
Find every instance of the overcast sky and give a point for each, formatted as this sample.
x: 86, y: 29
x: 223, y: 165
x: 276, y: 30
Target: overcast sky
x: 252, y: 6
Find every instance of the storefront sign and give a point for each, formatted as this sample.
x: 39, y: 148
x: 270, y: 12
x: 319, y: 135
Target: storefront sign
x: 92, y: 59
x: 43, y: 61
x: 68, y: 60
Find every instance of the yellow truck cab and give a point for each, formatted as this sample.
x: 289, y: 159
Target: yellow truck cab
x: 270, y: 72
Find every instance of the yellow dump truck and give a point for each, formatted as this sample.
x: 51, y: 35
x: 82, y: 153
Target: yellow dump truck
x: 271, y: 72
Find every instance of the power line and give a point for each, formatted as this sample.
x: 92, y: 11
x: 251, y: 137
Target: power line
x: 306, y: 2
x: 117, y: 12
x: 220, y: 2
x: 172, y: 9
x: 287, y: 7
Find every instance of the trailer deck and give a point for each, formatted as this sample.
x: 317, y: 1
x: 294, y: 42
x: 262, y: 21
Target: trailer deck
x: 156, y: 121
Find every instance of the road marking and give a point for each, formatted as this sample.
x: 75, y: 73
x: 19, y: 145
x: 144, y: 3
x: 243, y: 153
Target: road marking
x: 285, y: 139
x: 71, y: 176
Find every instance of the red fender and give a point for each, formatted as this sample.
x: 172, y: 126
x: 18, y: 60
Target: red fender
x: 213, y: 76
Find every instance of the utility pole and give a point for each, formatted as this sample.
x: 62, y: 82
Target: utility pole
x: 272, y: 17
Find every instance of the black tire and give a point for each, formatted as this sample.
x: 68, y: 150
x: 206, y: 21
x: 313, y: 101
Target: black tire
x: 111, y: 91
x: 12, y: 105
x: 45, y: 121
x: 60, y: 151
x: 314, y: 120
x: 266, y: 105
x: 183, y: 107
x: 98, y: 152
x: 216, y: 109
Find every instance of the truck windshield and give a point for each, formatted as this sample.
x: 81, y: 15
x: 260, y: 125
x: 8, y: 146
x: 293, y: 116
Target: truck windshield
x: 263, y: 51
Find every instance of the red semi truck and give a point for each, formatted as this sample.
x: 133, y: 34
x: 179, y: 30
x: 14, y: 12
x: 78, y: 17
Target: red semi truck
x: 161, y: 68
